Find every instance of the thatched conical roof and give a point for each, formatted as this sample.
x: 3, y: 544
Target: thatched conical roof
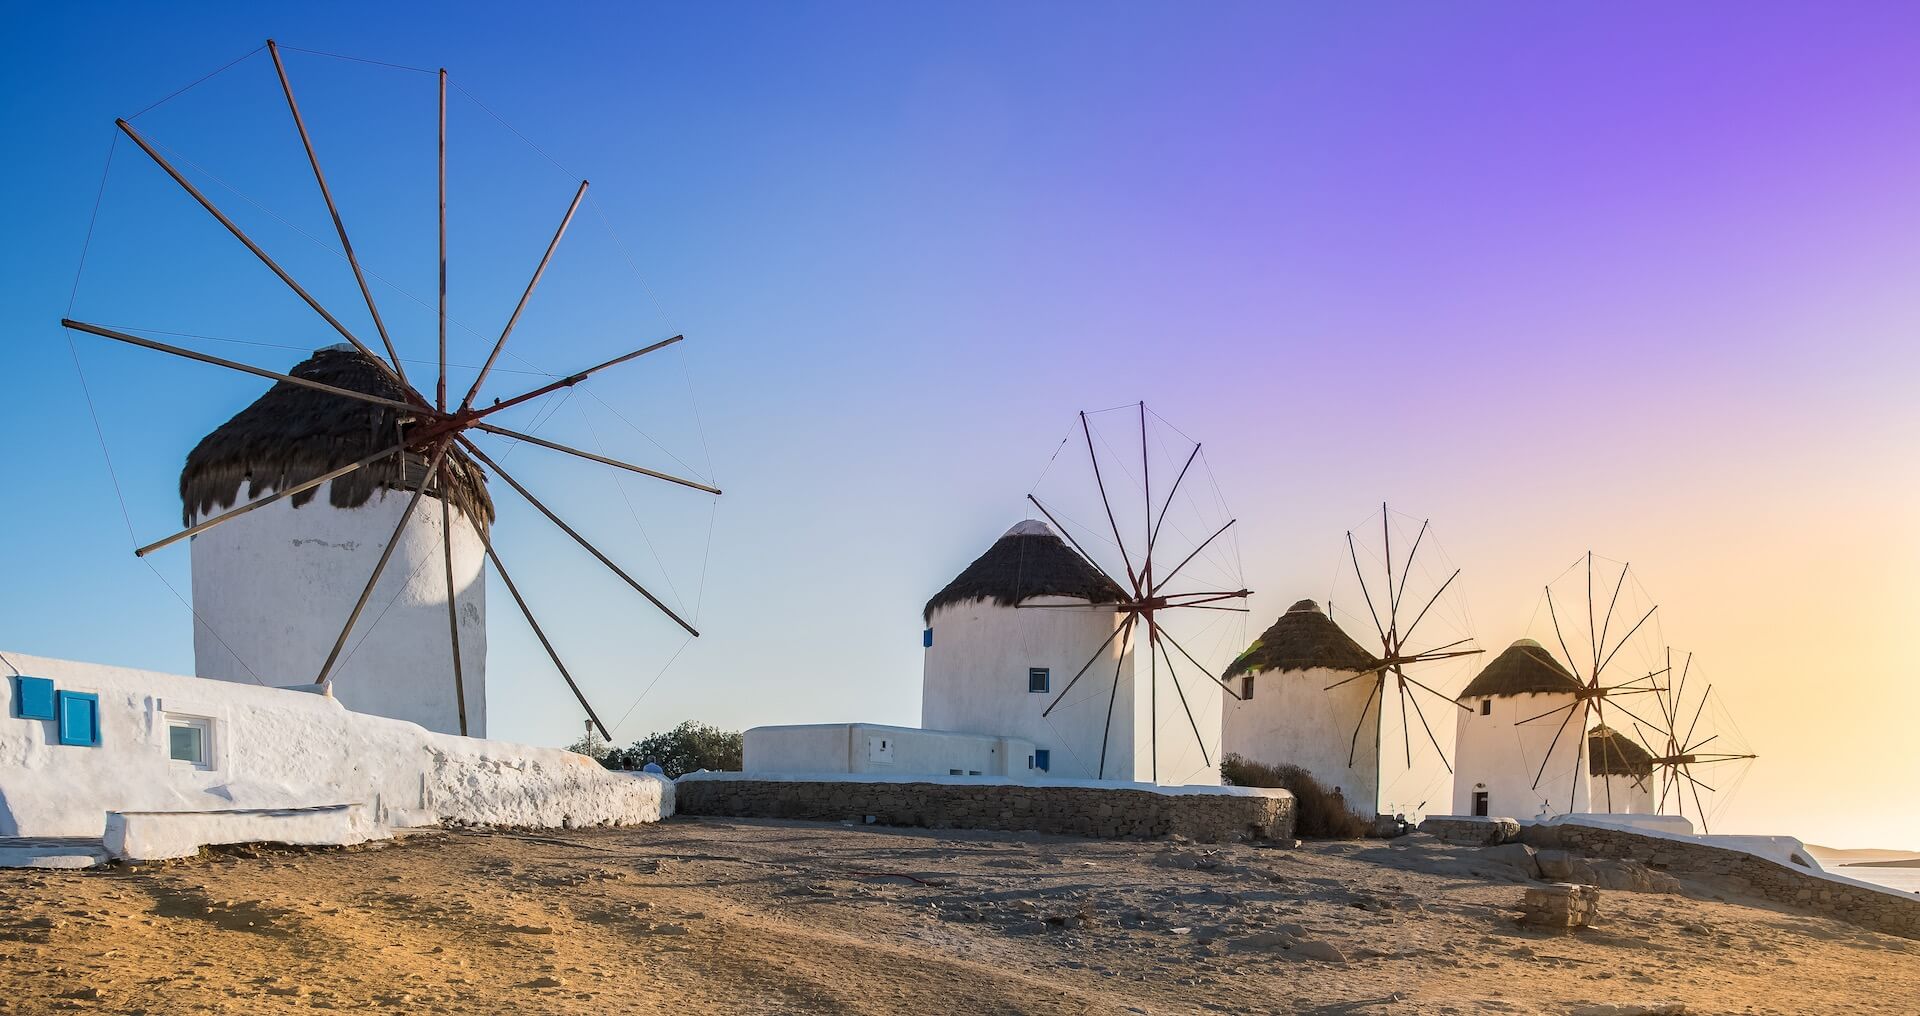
x: 1302, y: 639
x: 1029, y: 561
x: 293, y: 434
x: 1610, y: 753
x: 1524, y: 668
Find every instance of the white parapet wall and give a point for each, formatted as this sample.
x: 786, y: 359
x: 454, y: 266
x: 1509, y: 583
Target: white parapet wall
x: 266, y: 749
x: 883, y: 750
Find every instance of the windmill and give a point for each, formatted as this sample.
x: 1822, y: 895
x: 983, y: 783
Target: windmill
x: 1149, y: 595
x: 1681, y: 742
x: 436, y: 440
x: 1396, y: 625
x: 1589, y: 702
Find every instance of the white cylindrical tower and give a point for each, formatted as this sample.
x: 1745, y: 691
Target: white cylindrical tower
x: 1007, y: 635
x: 1288, y: 715
x: 273, y: 588
x: 1622, y: 773
x: 1498, y: 759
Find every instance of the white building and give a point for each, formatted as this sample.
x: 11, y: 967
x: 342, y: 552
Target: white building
x: 1288, y: 715
x: 1497, y: 759
x: 273, y: 588
x: 1006, y: 637
x: 876, y: 749
x: 1622, y: 771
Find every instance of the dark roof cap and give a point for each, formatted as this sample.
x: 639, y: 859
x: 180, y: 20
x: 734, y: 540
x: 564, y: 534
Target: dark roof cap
x: 1302, y: 639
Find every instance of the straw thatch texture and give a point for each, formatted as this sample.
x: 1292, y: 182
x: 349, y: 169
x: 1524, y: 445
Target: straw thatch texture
x: 1028, y: 561
x: 1524, y: 668
x: 1302, y: 639
x: 293, y: 434
x: 1610, y: 753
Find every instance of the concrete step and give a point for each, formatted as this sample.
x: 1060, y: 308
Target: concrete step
x: 51, y: 852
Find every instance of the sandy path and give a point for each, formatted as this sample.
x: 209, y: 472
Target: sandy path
x: 698, y: 916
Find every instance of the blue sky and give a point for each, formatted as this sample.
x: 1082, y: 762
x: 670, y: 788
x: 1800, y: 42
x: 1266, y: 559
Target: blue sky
x: 1632, y: 279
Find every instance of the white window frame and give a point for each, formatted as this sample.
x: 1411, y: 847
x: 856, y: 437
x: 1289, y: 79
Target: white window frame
x: 209, y: 731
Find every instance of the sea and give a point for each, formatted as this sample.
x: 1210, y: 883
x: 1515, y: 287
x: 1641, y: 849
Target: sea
x: 1904, y: 879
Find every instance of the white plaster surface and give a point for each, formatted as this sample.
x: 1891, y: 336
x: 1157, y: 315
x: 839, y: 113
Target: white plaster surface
x: 964, y: 781
x: 1294, y: 718
x: 1622, y: 795
x: 975, y: 679
x: 154, y: 835
x: 879, y: 748
x: 282, y: 748
x: 1497, y: 754
x: 272, y: 588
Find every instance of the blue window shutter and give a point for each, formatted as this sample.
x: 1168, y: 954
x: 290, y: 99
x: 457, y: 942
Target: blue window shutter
x: 926, y: 639
x: 1043, y: 758
x: 33, y: 698
x: 79, y: 718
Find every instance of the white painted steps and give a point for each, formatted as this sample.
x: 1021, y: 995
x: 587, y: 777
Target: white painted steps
x: 51, y: 852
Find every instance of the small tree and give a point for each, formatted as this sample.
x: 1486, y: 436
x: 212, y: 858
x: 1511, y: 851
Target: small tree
x: 595, y: 749
x: 684, y: 749
x: 1319, y: 813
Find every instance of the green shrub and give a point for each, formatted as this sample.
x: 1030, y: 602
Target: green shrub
x: 1318, y: 813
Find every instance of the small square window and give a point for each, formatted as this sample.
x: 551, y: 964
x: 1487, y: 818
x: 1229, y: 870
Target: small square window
x: 190, y: 741
x: 1039, y: 679
x: 1042, y: 758
x: 956, y: 772
x: 1246, y: 687
x: 1486, y: 707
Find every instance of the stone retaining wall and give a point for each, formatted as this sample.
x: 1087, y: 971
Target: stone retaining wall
x: 1070, y: 810
x: 1887, y: 910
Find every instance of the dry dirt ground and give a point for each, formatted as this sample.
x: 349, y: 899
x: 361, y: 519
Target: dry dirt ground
x: 697, y: 916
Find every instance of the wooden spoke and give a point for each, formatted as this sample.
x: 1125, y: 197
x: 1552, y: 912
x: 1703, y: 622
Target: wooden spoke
x: 574, y: 379
x: 1091, y: 660
x: 386, y: 554
x: 1132, y: 579
x: 345, y: 393
x: 1196, y: 551
x: 1555, y: 743
x: 1555, y: 616
x: 1174, y: 674
x: 1175, y: 643
x: 1154, y: 537
x: 1408, y: 568
x: 1417, y: 711
x: 1146, y: 555
x: 453, y: 612
x: 440, y: 384
x: 201, y: 527
x: 1701, y: 708
x: 1623, y: 642
x: 487, y: 367
x: 1393, y: 607
x: 1423, y: 610
x: 1355, y: 555
x: 1608, y: 622
x: 339, y: 226
x: 542, y: 635
x: 1606, y: 779
x: 1350, y: 680
x: 127, y: 129
x: 1579, y: 767
x: 1064, y: 532
x: 1546, y: 714
x: 577, y: 538
x: 1126, y: 640
x: 602, y: 459
x: 1353, y: 747
x: 1406, y: 736
x: 1698, y: 807
x: 1435, y: 692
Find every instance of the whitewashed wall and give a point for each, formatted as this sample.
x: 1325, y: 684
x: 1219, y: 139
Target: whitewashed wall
x: 285, y: 748
x: 1494, y: 753
x: 1294, y: 719
x: 975, y: 680
x: 272, y: 589
x: 824, y: 748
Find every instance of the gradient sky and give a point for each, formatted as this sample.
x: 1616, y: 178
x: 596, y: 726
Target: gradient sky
x: 1622, y: 277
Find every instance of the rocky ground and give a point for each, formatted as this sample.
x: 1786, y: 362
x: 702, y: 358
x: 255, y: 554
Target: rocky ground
x: 699, y: 916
